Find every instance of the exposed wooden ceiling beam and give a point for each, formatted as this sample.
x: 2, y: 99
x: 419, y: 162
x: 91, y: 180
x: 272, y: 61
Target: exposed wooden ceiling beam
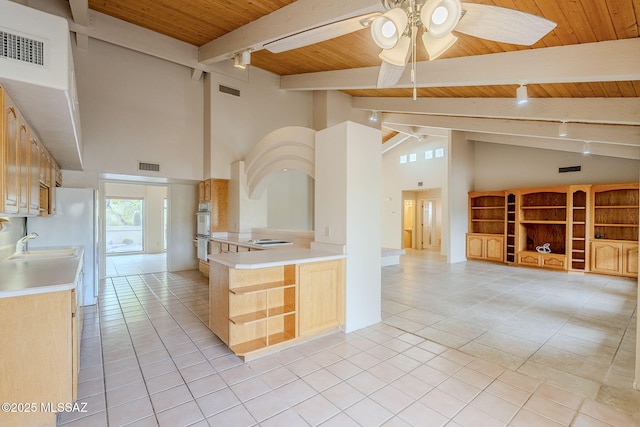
x: 623, y: 111
x: 610, y: 134
x: 617, y: 60
x: 621, y: 151
x: 291, y: 19
x: 121, y: 33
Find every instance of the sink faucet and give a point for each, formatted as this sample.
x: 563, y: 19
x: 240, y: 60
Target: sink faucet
x: 22, y: 243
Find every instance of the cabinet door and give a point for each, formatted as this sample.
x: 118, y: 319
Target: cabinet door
x: 494, y: 248
x: 219, y: 205
x: 630, y: 259
x: 207, y: 190
x: 201, y: 192
x: 34, y: 177
x: 529, y: 259
x: 11, y: 169
x: 606, y: 257
x: 475, y: 246
x: 24, y: 148
x: 321, y: 297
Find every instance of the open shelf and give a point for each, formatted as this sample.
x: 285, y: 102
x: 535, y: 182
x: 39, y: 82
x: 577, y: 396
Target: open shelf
x: 261, y: 287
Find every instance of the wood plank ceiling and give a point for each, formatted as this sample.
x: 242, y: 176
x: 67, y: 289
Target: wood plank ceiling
x: 579, y: 21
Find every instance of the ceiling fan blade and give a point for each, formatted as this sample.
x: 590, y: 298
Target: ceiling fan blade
x: 502, y: 25
x: 320, y: 33
x: 389, y: 74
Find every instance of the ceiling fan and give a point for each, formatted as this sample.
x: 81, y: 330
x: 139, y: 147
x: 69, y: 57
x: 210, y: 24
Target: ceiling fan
x: 396, y: 31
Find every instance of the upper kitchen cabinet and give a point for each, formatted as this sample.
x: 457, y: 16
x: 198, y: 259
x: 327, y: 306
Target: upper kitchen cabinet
x: 216, y: 192
x: 9, y: 125
x: 29, y: 174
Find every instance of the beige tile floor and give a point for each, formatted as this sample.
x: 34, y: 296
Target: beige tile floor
x: 147, y: 359
x: 130, y: 264
x: 575, y: 331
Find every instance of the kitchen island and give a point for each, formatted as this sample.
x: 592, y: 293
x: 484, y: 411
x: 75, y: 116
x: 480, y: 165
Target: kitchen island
x: 264, y: 300
x: 40, y: 326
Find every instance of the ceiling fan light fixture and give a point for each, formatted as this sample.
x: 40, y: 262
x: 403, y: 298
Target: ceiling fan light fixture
x: 436, y: 46
x: 399, y: 54
x: 440, y: 16
x: 387, y: 29
x: 521, y: 95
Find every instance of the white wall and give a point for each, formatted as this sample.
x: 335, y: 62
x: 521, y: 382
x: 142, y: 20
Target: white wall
x: 10, y: 232
x: 348, y: 179
x: 238, y: 123
x: 455, y: 198
x: 500, y: 167
x: 134, y: 107
x: 398, y: 177
x: 332, y: 107
x: 290, y: 201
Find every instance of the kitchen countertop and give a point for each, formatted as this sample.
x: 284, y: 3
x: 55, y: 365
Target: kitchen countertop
x: 272, y: 257
x: 28, y: 277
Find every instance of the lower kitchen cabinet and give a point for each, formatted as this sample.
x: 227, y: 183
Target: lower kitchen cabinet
x: 39, y: 355
x: 257, y: 310
x: 321, y: 297
x: 488, y: 247
x: 614, y: 257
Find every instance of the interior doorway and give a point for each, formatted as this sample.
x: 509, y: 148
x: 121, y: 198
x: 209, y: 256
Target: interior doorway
x: 422, y: 219
x: 135, y: 228
x: 429, y: 223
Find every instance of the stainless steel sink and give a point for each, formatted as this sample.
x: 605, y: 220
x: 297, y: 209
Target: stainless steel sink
x: 270, y: 242
x: 44, y: 254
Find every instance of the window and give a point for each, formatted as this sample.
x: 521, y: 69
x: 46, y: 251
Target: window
x: 403, y: 158
x: 439, y: 152
x: 124, y: 225
x: 428, y: 154
x: 413, y: 157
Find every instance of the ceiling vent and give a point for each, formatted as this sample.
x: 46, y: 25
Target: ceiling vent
x: 150, y: 167
x: 21, y: 48
x: 229, y: 90
x: 569, y: 169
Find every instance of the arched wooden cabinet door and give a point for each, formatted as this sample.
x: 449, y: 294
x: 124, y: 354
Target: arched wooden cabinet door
x: 10, y: 167
x: 24, y: 148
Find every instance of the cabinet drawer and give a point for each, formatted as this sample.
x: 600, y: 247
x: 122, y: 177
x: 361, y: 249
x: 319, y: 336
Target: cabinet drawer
x: 529, y: 259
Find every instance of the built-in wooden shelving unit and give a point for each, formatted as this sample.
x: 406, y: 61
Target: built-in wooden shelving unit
x: 590, y: 228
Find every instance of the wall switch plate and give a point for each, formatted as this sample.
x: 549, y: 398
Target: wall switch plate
x: 327, y: 232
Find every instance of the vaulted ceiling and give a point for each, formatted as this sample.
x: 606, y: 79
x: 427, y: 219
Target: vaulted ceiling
x: 585, y: 72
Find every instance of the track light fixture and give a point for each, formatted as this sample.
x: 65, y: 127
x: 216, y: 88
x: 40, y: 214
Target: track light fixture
x: 563, y: 130
x: 521, y: 95
x: 242, y: 59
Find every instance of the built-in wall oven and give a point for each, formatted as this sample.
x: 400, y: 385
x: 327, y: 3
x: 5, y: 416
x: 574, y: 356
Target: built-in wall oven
x: 203, y: 229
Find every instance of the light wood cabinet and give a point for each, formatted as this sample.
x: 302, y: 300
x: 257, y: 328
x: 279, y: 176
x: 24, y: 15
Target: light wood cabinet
x: 24, y: 148
x: 320, y: 297
x: 614, y: 238
x: 9, y: 164
x: 589, y: 228
x: 34, y: 176
x: 485, y: 240
x: 488, y: 247
x: 39, y: 353
x: 25, y: 165
x: 614, y: 258
x: 258, y: 310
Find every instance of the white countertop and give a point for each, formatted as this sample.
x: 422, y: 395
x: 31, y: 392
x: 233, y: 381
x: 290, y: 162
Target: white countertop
x: 27, y: 277
x: 272, y: 257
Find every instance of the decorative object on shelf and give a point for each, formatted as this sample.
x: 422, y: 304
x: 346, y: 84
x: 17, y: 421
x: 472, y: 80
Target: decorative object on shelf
x: 544, y: 249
